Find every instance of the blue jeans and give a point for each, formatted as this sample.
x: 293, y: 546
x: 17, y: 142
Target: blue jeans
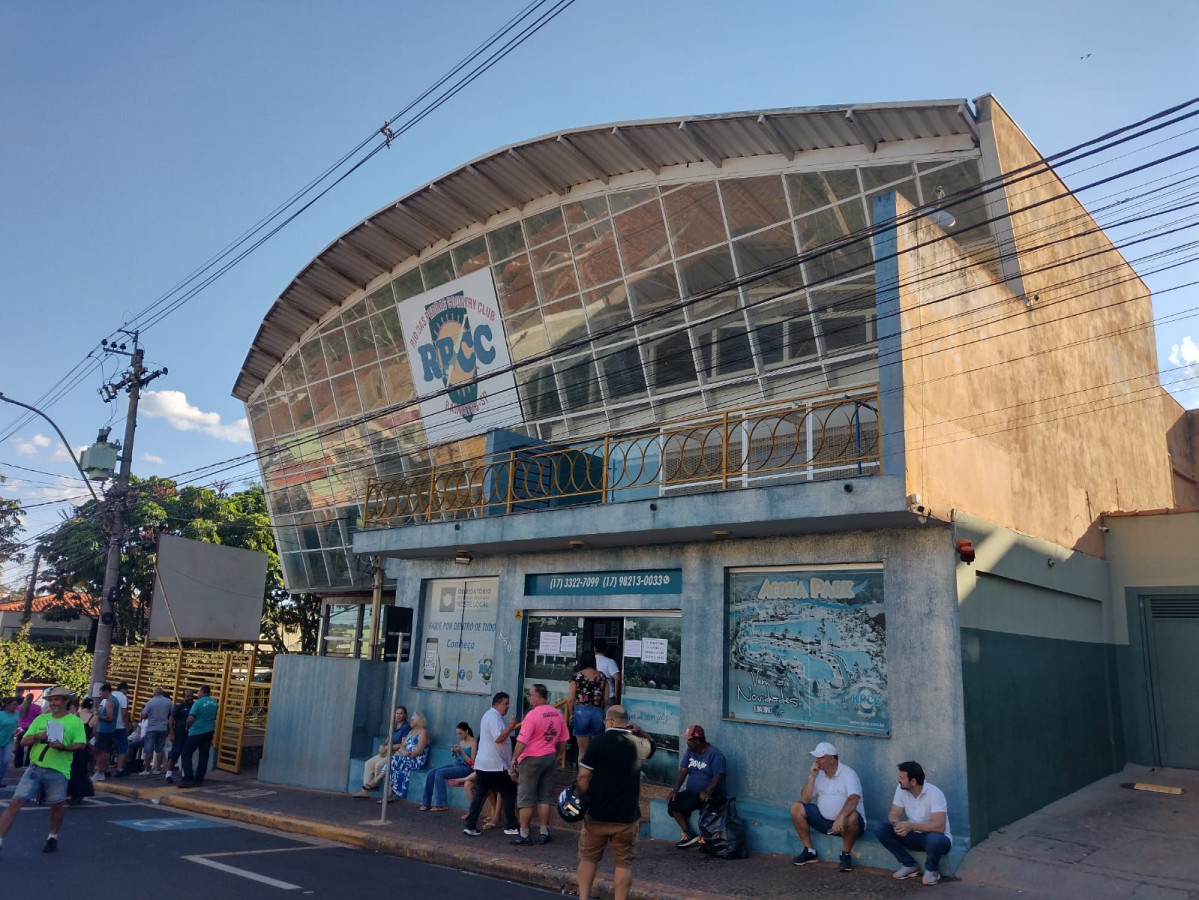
x: 436, y: 789
x: 5, y: 756
x: 934, y: 844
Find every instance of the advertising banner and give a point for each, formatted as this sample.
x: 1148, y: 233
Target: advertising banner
x: 459, y: 635
x: 807, y: 646
x: 459, y: 357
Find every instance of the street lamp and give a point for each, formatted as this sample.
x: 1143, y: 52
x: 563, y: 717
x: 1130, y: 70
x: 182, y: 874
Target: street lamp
x: 65, y: 442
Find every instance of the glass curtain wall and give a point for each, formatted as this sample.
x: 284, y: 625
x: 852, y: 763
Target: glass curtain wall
x: 652, y: 302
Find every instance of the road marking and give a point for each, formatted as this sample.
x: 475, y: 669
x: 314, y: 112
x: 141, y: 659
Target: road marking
x: 253, y: 876
x: 271, y: 850
x: 171, y: 824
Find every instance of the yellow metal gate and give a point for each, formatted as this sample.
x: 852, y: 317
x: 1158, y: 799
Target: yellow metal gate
x: 233, y: 678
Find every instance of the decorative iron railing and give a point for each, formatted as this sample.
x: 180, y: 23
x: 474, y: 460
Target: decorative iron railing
x: 803, y: 439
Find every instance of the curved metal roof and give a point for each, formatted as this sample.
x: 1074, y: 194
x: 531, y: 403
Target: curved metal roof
x: 513, y: 176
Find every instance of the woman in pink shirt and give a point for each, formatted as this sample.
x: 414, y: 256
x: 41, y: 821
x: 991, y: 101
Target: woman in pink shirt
x: 26, y: 713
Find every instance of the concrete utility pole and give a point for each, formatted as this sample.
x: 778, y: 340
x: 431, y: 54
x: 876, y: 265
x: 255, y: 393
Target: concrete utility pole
x: 133, y: 382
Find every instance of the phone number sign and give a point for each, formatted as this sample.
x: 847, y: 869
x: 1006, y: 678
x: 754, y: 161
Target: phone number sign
x: 642, y: 581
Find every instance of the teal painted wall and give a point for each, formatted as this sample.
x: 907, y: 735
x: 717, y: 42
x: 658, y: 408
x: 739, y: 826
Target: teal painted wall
x: 1042, y: 720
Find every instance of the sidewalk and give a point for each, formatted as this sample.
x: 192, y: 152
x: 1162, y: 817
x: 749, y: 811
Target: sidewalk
x: 1102, y: 842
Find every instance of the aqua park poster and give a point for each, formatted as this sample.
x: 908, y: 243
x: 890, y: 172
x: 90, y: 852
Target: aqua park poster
x: 807, y: 647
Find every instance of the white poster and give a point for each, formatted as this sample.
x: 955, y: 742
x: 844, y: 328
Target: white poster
x: 569, y: 645
x: 458, y: 353
x: 653, y: 650
x: 459, y: 635
x: 632, y: 649
x: 550, y: 643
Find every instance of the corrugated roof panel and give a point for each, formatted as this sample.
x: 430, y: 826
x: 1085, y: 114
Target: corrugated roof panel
x: 474, y: 194
x: 445, y: 218
x: 558, y: 165
x: 510, y: 179
x: 408, y: 229
x: 349, y: 261
x: 607, y: 152
x: 664, y: 143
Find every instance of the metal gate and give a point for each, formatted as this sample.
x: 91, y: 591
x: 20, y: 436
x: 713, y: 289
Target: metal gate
x: 239, y: 681
x: 1173, y: 628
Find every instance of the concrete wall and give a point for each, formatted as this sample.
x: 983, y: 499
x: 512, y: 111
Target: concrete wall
x: 324, y: 711
x: 1182, y: 442
x: 1035, y: 412
x: 1042, y: 705
x: 768, y: 763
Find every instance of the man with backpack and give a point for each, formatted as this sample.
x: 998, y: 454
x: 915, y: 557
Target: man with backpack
x: 106, y: 726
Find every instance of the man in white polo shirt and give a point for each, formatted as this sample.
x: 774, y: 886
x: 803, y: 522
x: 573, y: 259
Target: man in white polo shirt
x: 926, y: 826
x: 830, y: 802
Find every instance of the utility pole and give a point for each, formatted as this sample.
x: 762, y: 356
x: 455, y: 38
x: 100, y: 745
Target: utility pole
x: 27, y: 614
x: 132, y: 382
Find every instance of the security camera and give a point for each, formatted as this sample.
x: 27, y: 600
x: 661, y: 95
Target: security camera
x: 1104, y: 529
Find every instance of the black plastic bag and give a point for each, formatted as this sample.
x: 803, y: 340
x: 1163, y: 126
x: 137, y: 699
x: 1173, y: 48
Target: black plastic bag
x: 722, y: 829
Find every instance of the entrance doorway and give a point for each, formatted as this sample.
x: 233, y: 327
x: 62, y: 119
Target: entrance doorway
x: 1172, y: 628
x: 646, y: 646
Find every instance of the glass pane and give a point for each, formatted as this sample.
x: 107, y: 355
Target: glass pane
x: 539, y: 393
x: 621, y: 365
x: 583, y: 212
x: 280, y: 415
x: 642, y: 237
x: 777, y: 245
x: 321, y: 393
x: 345, y: 391
x: 297, y: 575
x: 564, y: 321
x: 594, y: 250
x: 301, y: 408
x: 724, y: 348
x: 526, y: 335
x: 783, y: 329
x: 330, y: 324
x: 386, y: 327
x: 362, y: 343
x: 354, y: 312
x: 554, y: 271
x: 293, y: 372
x: 846, y: 313
x: 397, y: 379
x: 313, y: 357
x: 371, y: 387
x: 877, y: 176
x: 753, y: 203
x: 506, y: 241
x: 672, y: 360
x: 260, y: 424
x: 408, y: 285
x: 577, y: 377
x: 705, y: 271
x: 622, y: 200
x: 514, y: 283
x: 693, y: 213
x: 470, y: 257
x: 905, y: 188
x: 383, y: 298
x: 438, y: 270
x: 337, y: 351
x: 827, y: 226
x: 654, y: 290
x: 608, y: 307
x: 815, y: 190
x: 544, y: 226
x: 956, y: 178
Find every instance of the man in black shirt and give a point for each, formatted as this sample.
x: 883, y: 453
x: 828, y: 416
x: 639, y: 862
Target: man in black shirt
x: 610, y: 776
x: 177, y: 730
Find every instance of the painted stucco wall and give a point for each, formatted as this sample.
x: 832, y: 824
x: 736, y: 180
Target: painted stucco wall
x: 1182, y: 442
x: 1039, y: 672
x: 768, y: 763
x: 1034, y: 412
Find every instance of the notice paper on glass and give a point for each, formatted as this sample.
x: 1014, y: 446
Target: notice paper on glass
x: 550, y: 644
x: 570, y: 644
x: 54, y: 731
x: 632, y: 649
x: 653, y: 650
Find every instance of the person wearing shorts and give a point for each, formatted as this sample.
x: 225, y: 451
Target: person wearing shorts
x: 610, y: 780
x: 829, y: 802
x: 52, y: 740
x: 156, y: 715
x: 703, y: 768
x: 106, y: 726
x: 542, y: 737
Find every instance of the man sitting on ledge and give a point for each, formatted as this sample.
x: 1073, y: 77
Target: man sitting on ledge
x: 926, y: 828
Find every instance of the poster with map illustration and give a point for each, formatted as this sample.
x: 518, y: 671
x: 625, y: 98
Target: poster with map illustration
x: 807, y: 646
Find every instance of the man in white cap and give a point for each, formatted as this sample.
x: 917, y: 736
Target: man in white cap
x: 830, y: 802
x: 52, y: 740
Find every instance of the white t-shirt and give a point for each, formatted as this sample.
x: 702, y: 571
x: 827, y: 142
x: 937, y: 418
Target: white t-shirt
x: 921, y: 809
x: 608, y: 668
x: 493, y: 757
x: 122, y: 721
x: 831, y: 793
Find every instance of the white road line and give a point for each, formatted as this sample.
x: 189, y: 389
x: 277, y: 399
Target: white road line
x: 272, y: 850
x: 253, y: 876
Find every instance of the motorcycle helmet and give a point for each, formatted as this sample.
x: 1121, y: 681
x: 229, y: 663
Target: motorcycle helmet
x: 572, y: 805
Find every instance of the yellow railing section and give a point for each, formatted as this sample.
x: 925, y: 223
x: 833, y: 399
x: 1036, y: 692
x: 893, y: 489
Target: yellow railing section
x: 243, y: 701
x: 800, y: 439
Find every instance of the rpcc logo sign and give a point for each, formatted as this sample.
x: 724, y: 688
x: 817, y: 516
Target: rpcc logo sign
x: 455, y: 350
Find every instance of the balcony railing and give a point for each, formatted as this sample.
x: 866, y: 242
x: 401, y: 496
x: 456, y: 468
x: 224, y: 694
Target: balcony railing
x: 804, y: 439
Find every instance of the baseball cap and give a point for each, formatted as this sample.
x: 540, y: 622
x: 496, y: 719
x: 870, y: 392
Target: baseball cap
x: 695, y: 731
x: 59, y: 691
x: 824, y: 748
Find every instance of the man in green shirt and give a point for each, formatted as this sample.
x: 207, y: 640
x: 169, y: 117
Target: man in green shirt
x: 52, y: 739
x: 200, y: 727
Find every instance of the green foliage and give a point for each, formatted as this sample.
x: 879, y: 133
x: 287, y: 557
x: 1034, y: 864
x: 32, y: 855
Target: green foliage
x: 53, y: 663
x: 75, y: 554
x: 10, y: 527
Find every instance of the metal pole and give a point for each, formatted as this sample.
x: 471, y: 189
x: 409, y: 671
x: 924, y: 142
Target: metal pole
x: 27, y: 614
x: 391, y: 725
x: 116, y: 525
x: 61, y: 436
x: 376, y: 607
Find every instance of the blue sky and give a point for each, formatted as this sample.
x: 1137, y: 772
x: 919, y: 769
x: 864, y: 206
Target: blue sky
x: 141, y: 138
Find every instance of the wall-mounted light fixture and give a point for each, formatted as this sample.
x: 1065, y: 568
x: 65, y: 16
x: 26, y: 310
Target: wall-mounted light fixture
x: 577, y: 545
x: 463, y: 557
x: 722, y: 535
x: 965, y: 551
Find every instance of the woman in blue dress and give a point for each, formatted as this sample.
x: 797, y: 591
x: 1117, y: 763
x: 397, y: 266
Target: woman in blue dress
x: 436, y: 796
x: 414, y: 756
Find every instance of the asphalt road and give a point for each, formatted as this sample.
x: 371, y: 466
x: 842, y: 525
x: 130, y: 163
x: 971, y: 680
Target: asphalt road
x: 163, y: 852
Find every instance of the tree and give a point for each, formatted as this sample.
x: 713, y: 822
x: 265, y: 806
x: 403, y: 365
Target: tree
x: 75, y: 554
x: 10, y: 527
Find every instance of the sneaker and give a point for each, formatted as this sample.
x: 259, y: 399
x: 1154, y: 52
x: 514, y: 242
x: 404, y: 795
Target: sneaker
x: 511, y: 832
x: 169, y: 777
x: 806, y: 855
x: 99, y: 776
x: 905, y: 872
x: 932, y: 876
x: 474, y: 832
x: 687, y: 840
x: 521, y: 841
x: 846, y: 863
x: 51, y: 845
x: 544, y: 838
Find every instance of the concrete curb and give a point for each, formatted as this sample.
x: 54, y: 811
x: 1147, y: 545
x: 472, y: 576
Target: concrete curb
x: 451, y: 856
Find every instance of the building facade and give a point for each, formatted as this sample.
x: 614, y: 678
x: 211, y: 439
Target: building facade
x: 728, y: 394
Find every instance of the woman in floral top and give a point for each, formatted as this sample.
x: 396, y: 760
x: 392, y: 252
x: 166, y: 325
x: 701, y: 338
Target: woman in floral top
x: 587, y: 698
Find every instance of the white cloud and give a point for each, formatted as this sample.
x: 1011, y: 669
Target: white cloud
x: 1183, y: 382
x: 63, y: 488
x: 182, y: 416
x: 32, y: 446
x: 151, y: 458
x: 1185, y: 354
